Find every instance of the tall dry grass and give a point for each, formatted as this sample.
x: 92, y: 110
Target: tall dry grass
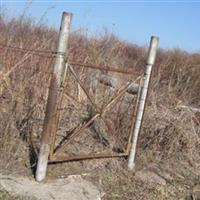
x: 170, y: 127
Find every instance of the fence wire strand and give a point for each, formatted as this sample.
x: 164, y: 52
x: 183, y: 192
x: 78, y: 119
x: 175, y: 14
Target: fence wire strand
x: 43, y: 53
x: 51, y: 54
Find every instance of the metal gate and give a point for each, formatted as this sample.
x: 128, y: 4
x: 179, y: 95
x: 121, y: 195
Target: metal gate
x: 65, y: 76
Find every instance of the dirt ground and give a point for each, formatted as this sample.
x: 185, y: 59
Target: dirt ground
x: 108, y: 179
x: 72, y: 187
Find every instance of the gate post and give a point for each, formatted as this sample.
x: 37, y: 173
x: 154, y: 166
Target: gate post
x: 142, y: 99
x: 52, y: 115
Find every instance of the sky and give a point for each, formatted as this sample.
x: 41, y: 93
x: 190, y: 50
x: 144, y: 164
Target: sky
x: 176, y: 23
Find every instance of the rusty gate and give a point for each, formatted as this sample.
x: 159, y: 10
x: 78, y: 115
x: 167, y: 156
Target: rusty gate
x: 65, y: 77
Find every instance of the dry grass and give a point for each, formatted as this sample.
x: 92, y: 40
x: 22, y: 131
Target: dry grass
x: 7, y: 196
x: 170, y: 126
x: 170, y: 130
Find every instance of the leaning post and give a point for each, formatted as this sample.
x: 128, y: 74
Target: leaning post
x: 140, y: 110
x: 51, y: 115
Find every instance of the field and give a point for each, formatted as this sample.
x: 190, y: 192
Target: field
x: 169, y: 141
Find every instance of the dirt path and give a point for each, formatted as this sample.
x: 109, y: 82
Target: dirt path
x: 73, y: 187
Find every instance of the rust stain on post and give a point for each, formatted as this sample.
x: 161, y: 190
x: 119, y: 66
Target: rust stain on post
x: 50, y: 111
x: 54, y: 99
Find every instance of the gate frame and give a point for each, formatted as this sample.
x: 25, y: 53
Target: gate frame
x: 55, y: 95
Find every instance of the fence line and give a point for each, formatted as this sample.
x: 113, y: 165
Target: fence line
x: 49, y: 151
x: 56, y: 54
x: 14, y: 48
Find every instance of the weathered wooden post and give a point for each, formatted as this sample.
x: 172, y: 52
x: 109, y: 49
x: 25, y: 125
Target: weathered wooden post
x: 51, y: 115
x: 140, y: 110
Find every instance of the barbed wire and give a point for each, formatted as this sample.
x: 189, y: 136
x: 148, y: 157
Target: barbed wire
x: 43, y: 53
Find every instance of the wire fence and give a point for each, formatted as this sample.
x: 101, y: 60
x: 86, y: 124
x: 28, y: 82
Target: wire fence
x: 52, y: 54
x: 101, y: 91
x: 43, y: 53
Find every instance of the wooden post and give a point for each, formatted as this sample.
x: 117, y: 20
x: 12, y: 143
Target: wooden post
x: 140, y: 110
x: 51, y: 115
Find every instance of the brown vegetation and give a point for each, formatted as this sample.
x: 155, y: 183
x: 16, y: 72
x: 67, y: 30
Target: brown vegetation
x: 171, y: 129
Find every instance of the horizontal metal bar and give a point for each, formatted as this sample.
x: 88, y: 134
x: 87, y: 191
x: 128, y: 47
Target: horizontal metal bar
x: 112, y: 69
x: 64, y: 158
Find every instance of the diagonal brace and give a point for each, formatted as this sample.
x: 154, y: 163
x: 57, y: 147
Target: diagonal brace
x: 115, y: 99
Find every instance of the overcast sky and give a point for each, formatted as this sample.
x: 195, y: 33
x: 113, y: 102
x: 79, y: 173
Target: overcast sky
x: 177, y: 23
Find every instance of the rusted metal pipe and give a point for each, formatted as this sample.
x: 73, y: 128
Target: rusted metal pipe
x: 64, y: 158
x: 106, y: 68
x: 140, y: 111
x: 51, y: 115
